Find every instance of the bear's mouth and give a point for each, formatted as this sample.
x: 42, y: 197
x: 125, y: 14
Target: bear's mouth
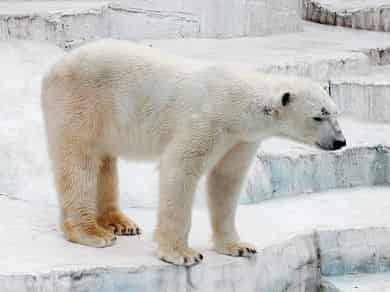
x: 337, y: 145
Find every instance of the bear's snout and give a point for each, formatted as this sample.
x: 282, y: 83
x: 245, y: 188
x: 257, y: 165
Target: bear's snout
x: 337, y: 144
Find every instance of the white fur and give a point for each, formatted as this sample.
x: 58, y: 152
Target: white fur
x: 119, y: 99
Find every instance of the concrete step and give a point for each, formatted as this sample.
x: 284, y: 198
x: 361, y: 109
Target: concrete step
x: 343, y: 231
x: 364, y: 96
x: 285, y: 168
x: 69, y: 23
x: 357, y: 283
x: 338, y: 51
x: 359, y: 14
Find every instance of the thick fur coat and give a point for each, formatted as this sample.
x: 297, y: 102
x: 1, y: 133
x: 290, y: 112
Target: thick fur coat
x: 113, y: 99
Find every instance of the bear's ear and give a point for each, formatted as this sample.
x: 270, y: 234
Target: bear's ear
x: 286, y: 98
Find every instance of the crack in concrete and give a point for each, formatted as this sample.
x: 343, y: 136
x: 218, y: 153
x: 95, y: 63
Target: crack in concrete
x: 10, y: 197
x: 159, y: 13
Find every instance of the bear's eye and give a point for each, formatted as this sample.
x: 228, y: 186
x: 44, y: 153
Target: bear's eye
x: 318, y: 119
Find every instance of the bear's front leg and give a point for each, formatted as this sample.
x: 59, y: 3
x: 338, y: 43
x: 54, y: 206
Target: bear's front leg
x: 177, y: 187
x: 181, y: 166
x: 224, y: 184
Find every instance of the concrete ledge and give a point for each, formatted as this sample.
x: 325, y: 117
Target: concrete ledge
x: 286, y: 175
x: 69, y: 23
x: 292, y: 249
x: 337, y: 52
x: 357, y: 283
x: 364, y: 96
x: 370, y: 15
x: 354, y: 251
x: 291, y: 266
x: 285, y: 168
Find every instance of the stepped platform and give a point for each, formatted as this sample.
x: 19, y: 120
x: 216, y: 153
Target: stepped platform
x: 319, y: 52
x: 296, y: 247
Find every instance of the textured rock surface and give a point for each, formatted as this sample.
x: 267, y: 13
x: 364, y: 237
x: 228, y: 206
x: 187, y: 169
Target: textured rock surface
x: 357, y: 283
x: 288, y: 257
x: 359, y: 14
x: 68, y: 23
x: 365, y: 96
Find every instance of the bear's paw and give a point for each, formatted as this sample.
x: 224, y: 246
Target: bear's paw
x: 118, y: 223
x: 236, y: 249
x: 180, y: 256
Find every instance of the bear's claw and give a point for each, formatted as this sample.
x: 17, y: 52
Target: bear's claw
x: 237, y: 249
x: 182, y: 257
x: 118, y: 223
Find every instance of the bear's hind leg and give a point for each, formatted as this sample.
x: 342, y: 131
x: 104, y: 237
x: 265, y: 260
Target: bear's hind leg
x: 109, y: 215
x: 224, y: 184
x: 76, y: 182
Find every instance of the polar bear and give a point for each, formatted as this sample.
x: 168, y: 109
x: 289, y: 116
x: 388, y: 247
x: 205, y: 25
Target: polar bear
x: 113, y: 98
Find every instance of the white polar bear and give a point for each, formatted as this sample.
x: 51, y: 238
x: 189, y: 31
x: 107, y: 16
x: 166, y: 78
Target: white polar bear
x: 116, y: 98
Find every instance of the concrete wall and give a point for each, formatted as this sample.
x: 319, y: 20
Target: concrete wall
x: 67, y: 23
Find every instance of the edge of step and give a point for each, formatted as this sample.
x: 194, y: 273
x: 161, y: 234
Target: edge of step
x: 286, y: 168
x: 375, y: 17
x: 296, y: 257
x: 357, y: 282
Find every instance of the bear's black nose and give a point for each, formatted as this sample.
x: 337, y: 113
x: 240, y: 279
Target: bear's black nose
x: 337, y: 144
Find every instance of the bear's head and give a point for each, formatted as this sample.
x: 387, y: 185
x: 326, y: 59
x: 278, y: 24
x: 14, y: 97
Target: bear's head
x: 303, y: 111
